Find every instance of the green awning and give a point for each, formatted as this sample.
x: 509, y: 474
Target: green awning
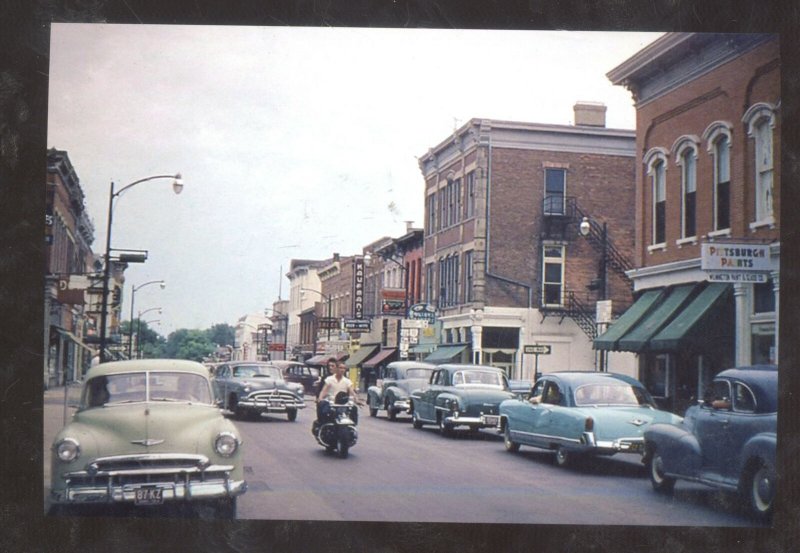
x: 422, y: 348
x: 361, y: 354
x: 442, y: 354
x: 635, y: 313
x: 686, y: 327
x: 637, y: 338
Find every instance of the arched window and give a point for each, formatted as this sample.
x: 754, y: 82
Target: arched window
x: 685, y: 151
x: 656, y: 162
x: 760, y: 120
x: 718, y: 139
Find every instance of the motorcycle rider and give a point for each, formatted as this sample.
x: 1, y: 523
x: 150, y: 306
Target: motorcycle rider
x: 334, y: 384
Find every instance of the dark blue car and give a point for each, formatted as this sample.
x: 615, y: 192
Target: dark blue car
x: 727, y: 441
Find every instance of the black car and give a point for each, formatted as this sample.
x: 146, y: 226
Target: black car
x: 250, y: 388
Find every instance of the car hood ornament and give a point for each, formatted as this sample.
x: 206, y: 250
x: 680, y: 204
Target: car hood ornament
x: 637, y: 422
x: 147, y: 442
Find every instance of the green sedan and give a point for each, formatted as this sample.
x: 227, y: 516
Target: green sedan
x: 147, y: 432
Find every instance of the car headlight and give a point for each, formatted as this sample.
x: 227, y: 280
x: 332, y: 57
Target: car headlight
x: 226, y: 444
x: 68, y: 450
x: 246, y: 390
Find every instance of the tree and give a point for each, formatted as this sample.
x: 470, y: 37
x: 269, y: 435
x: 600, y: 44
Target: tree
x: 189, y: 344
x: 221, y: 334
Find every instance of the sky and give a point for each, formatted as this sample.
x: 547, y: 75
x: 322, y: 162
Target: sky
x: 293, y: 142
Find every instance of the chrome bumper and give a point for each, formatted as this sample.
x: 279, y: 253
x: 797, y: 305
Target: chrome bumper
x: 401, y: 405
x: 171, y: 492
x: 620, y: 445
x: 483, y: 420
x: 270, y: 405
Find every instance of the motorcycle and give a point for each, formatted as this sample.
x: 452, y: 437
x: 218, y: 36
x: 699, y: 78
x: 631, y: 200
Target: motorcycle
x: 339, y: 433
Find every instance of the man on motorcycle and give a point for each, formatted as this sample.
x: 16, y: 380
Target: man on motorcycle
x: 334, y: 384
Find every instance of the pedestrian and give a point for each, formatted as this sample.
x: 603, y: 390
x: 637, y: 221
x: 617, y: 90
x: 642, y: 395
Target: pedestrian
x: 334, y: 384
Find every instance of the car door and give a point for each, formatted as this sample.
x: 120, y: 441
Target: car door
x: 522, y: 415
x: 711, y: 428
x: 542, y: 417
x: 430, y: 394
x: 218, y: 383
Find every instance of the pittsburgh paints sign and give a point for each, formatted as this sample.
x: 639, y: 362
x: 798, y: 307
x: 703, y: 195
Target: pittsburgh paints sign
x: 746, y: 258
x: 735, y: 263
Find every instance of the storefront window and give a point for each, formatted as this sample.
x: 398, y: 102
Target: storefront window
x: 763, y: 297
x: 763, y: 343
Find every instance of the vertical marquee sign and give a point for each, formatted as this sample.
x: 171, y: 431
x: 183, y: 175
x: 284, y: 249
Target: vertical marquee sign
x: 358, y: 288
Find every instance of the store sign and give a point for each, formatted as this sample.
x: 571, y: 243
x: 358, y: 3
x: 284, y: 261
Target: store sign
x: 747, y: 258
x: 358, y: 288
x: 422, y: 311
x: 733, y: 278
x: 357, y: 325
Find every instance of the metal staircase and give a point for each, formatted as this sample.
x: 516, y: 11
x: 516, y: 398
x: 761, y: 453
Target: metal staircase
x: 616, y: 260
x: 576, y: 310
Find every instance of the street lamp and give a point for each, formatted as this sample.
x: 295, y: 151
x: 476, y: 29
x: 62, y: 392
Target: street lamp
x: 139, y: 320
x: 133, y: 295
x: 177, y: 187
x: 601, y: 283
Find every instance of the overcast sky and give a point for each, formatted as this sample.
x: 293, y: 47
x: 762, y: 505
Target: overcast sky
x: 292, y: 142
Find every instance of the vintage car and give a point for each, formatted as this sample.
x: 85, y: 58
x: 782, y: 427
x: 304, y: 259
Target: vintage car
x: 727, y: 441
x: 400, y: 378
x: 581, y: 413
x: 299, y: 373
x: 249, y: 388
x: 460, y: 395
x: 147, y: 433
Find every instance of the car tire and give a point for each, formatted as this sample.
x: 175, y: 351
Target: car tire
x: 511, y: 445
x: 226, y: 508
x: 444, y: 428
x: 391, y: 414
x: 342, y: 448
x: 563, y: 457
x: 291, y: 414
x: 760, y: 490
x: 655, y: 469
x: 415, y: 422
x: 373, y: 411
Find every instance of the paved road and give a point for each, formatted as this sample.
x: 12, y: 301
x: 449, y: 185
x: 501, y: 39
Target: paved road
x: 399, y: 474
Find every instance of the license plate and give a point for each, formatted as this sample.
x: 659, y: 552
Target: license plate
x: 148, y: 496
x: 491, y: 420
x: 636, y: 448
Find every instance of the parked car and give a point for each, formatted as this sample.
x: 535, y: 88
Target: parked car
x: 147, y: 432
x: 727, y: 441
x: 394, y: 392
x: 581, y: 413
x: 460, y: 395
x: 299, y: 373
x: 250, y: 388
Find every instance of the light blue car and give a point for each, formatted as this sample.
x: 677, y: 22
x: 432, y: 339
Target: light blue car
x: 578, y: 414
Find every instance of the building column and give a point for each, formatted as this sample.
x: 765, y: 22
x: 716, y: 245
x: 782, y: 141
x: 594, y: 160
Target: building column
x: 476, y: 317
x: 520, y: 357
x: 742, y: 354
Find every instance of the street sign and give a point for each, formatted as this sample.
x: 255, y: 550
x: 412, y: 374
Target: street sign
x: 328, y: 323
x: 277, y: 347
x: 357, y: 325
x: 538, y: 349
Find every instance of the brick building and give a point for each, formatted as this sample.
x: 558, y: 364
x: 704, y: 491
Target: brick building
x: 707, y: 181
x: 69, y: 260
x: 505, y: 264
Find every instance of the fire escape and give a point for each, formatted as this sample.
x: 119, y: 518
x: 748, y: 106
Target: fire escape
x: 561, y: 217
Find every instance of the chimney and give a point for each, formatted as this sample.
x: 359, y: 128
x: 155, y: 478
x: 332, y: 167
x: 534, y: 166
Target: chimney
x: 409, y: 225
x: 335, y: 257
x: 590, y: 114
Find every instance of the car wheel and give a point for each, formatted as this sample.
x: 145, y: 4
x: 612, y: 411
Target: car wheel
x: 226, y: 508
x: 661, y: 483
x: 510, y: 444
x: 373, y: 411
x: 444, y: 428
x: 291, y: 414
x: 563, y: 457
x: 415, y: 422
x: 760, y: 487
x: 391, y: 414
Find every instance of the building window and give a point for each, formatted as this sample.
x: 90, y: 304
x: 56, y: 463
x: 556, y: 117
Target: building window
x: 553, y: 275
x: 554, y: 191
x: 470, y: 195
x: 718, y: 137
x: 761, y: 123
x: 429, y: 284
x: 763, y: 297
x: 656, y: 161
x: 457, y: 195
x: 448, y: 281
x: 443, y: 209
x: 685, y: 151
x: 431, y: 214
x: 468, y: 276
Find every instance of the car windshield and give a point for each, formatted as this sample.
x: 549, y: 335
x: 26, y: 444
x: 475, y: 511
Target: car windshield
x: 268, y: 372
x: 610, y: 394
x: 246, y: 371
x: 135, y: 387
x: 481, y: 378
x: 419, y: 373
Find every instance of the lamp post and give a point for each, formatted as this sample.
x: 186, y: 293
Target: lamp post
x: 602, y: 284
x: 133, y: 296
x: 177, y: 187
x: 139, y: 333
x: 139, y: 320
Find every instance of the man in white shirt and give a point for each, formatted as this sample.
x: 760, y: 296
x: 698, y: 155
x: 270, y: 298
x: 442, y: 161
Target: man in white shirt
x: 334, y: 384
